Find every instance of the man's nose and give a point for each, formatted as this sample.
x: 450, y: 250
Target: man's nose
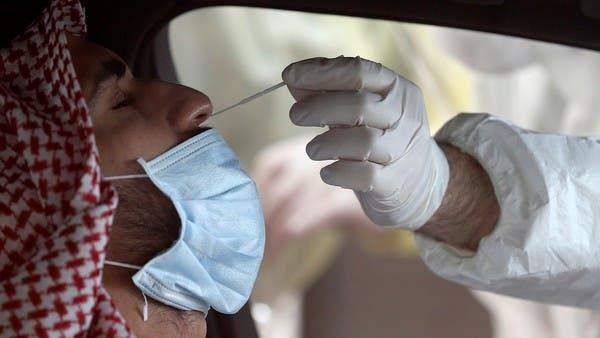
x: 184, y: 108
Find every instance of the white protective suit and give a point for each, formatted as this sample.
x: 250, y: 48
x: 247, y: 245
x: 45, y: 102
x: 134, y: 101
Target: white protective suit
x: 544, y: 249
x: 545, y: 244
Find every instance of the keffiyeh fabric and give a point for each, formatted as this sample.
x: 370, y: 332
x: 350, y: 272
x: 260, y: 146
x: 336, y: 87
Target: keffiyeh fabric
x: 55, y: 211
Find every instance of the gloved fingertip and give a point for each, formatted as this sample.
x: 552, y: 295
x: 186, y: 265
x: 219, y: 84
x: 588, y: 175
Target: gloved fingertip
x: 312, y: 149
x: 297, y: 73
x: 326, y: 175
x: 298, y: 114
x: 285, y: 74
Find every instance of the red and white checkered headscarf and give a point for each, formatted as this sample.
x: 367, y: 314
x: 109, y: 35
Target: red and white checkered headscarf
x: 55, y: 211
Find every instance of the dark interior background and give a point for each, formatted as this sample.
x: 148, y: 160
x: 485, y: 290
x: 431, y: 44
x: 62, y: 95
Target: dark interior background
x: 129, y: 29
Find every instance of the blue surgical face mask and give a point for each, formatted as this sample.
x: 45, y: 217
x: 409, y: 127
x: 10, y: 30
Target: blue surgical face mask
x: 216, y: 259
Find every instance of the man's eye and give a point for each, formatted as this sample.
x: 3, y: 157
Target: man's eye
x: 123, y: 103
x: 121, y: 100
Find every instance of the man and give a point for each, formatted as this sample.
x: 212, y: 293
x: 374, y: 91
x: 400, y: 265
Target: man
x: 494, y: 207
x: 135, y: 119
x: 61, y: 97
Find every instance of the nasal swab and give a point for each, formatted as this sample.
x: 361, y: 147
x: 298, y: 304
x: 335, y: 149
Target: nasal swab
x: 250, y: 98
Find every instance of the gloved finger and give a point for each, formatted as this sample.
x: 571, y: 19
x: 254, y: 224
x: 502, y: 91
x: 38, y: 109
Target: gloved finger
x: 341, y: 73
x: 345, y: 109
x: 300, y: 94
x: 355, y: 175
x: 356, y: 143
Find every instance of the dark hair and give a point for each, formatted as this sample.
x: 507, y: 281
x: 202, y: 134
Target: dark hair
x: 145, y: 224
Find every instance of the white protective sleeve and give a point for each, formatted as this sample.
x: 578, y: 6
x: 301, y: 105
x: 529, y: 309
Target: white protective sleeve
x: 546, y: 244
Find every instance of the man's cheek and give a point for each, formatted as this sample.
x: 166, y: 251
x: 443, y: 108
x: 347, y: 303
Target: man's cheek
x: 118, y: 152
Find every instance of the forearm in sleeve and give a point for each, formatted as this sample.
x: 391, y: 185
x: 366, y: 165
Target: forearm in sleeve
x: 538, y: 235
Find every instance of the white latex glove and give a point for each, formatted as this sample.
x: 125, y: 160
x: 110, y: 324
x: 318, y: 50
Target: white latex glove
x: 378, y: 134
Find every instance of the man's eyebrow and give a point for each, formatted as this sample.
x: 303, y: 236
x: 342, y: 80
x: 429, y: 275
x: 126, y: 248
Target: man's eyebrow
x: 109, y: 68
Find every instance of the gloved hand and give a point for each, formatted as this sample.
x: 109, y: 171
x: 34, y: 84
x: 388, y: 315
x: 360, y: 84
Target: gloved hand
x: 379, y: 137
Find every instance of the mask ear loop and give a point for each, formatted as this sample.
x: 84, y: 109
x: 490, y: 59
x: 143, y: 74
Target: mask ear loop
x: 145, y: 308
x: 133, y: 267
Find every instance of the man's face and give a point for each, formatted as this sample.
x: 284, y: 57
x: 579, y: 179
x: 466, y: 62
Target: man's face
x: 133, y: 117
x: 136, y: 118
